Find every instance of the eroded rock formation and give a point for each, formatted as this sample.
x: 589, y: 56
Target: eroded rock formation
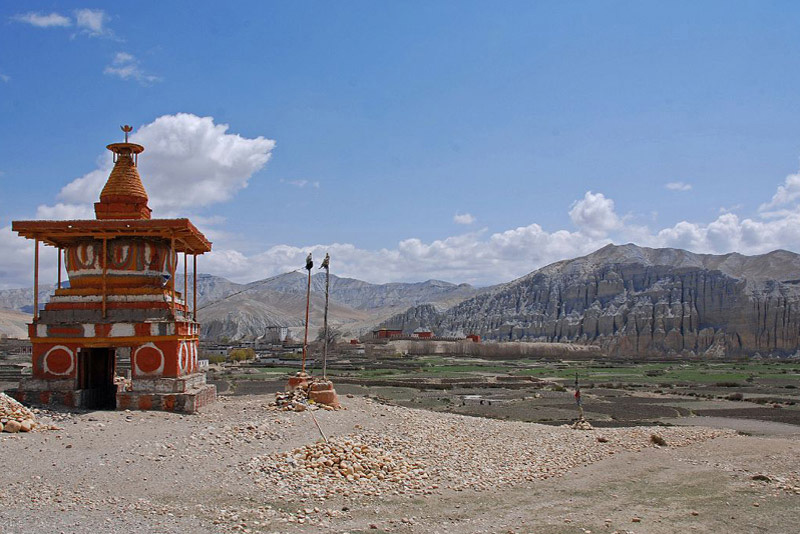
x: 638, y: 301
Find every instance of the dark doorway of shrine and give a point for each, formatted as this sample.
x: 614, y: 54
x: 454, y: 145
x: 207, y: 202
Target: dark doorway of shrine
x: 96, y: 378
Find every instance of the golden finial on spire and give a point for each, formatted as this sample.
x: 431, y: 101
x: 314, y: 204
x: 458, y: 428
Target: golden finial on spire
x: 127, y: 129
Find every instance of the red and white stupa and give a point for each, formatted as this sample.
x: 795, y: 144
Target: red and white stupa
x: 121, y: 268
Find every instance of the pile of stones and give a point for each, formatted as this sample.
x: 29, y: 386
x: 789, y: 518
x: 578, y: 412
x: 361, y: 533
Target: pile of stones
x: 14, y: 417
x: 296, y: 400
x: 582, y: 424
x: 343, y: 465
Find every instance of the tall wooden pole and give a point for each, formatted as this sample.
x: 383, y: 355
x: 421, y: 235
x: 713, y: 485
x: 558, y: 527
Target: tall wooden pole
x: 172, y: 261
x: 194, y: 287
x: 36, y: 280
x: 325, y: 323
x: 185, y: 287
x: 305, y: 338
x: 105, y: 270
x: 59, y: 267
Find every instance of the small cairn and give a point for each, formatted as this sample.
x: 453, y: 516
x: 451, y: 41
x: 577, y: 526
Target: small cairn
x: 310, y: 394
x: 582, y: 424
x: 295, y: 400
x: 14, y: 417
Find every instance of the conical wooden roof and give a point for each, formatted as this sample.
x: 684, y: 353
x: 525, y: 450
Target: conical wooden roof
x: 124, y: 180
x: 123, y: 196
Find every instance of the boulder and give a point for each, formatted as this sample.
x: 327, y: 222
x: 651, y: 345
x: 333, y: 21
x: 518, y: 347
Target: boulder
x: 12, y: 426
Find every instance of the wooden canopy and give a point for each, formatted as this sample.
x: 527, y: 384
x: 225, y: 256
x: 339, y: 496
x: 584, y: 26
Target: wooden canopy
x: 62, y: 234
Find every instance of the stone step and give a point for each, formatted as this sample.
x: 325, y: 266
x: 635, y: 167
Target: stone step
x: 11, y: 372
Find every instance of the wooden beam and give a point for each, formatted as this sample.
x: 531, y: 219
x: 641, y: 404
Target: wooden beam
x: 36, y: 280
x: 59, y: 267
x: 62, y: 238
x: 194, y: 288
x: 172, y: 260
x: 105, y: 269
x: 185, y: 287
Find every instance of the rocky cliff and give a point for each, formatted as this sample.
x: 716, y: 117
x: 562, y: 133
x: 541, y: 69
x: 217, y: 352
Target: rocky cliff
x: 635, y: 301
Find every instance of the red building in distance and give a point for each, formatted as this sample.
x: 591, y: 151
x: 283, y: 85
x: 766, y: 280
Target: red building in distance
x: 386, y: 333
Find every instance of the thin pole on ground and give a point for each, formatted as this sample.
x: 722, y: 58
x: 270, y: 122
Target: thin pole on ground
x: 321, y: 433
x: 309, y: 266
x: 326, y: 264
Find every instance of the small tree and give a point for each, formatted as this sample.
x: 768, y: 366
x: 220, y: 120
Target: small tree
x: 333, y: 334
x: 240, y: 355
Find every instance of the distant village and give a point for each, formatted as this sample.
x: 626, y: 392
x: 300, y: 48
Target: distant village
x: 277, y: 342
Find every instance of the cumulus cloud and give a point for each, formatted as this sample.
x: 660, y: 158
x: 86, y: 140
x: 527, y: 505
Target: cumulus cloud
x: 92, y: 22
x: 463, y: 218
x: 189, y: 161
x: 730, y: 233
x: 594, y: 215
x: 472, y: 257
x: 65, y: 212
x: 787, y: 193
x: 41, y: 20
x: 678, y: 186
x: 126, y: 67
x: 16, y: 261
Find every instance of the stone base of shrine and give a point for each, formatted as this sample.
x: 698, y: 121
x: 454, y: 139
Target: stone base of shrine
x: 188, y: 402
x: 185, y: 394
x: 70, y: 398
x: 62, y: 393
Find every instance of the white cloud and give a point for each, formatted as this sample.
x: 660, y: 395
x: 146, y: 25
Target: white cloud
x: 65, y: 212
x: 471, y: 257
x: 678, y: 186
x: 5, y: 78
x: 301, y: 183
x: 594, y: 215
x: 787, y: 193
x: 40, y: 20
x: 126, y: 67
x: 463, y: 218
x: 728, y: 209
x: 92, y: 22
x: 189, y: 161
x: 16, y: 261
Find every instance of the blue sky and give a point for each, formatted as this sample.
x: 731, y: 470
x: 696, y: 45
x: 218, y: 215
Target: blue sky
x: 467, y: 141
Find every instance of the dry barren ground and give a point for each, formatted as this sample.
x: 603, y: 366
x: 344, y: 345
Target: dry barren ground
x: 240, y: 467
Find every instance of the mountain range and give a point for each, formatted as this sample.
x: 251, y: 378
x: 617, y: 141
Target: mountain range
x: 627, y: 299
x: 243, y: 311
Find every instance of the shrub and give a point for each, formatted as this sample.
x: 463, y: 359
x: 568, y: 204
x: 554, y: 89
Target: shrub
x: 735, y: 397
x: 240, y: 355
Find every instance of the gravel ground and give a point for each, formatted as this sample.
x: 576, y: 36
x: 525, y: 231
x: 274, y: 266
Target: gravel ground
x: 240, y: 467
